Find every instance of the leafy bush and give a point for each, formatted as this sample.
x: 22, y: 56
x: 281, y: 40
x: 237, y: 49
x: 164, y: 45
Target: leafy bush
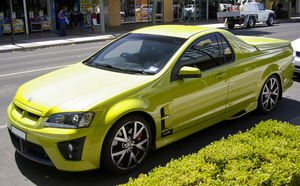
x: 268, y: 154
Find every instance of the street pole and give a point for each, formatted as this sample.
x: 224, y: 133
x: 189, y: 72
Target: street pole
x: 11, y: 24
x: 25, y: 16
x: 207, y: 9
x: 154, y: 13
x: 102, y: 22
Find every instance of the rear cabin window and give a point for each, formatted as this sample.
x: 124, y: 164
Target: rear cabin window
x: 207, y: 52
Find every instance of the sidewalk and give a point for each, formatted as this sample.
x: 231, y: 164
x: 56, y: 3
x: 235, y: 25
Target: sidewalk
x: 75, y: 36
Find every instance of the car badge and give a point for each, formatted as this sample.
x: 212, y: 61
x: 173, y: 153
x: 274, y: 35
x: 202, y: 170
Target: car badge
x: 30, y: 99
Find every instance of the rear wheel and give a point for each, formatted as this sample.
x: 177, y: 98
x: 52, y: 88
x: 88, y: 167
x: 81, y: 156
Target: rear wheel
x: 231, y: 26
x: 251, y: 22
x: 270, y: 21
x: 127, y: 145
x: 269, y: 95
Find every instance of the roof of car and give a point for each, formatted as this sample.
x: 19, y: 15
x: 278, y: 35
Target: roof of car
x: 172, y: 30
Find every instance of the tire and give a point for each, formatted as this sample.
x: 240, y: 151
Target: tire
x: 251, y: 22
x: 126, y: 145
x: 231, y: 26
x: 270, y: 21
x: 269, y: 95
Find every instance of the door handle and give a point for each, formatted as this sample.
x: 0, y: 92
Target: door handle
x: 220, y: 76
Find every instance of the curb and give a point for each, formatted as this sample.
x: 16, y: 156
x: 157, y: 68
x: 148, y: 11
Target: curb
x: 43, y: 44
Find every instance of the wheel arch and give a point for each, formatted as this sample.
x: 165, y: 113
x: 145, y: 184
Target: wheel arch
x: 142, y: 114
x: 274, y: 70
x: 272, y: 14
x: 147, y: 117
x: 103, y: 161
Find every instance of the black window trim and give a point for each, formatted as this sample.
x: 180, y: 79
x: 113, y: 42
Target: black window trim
x: 177, y: 66
x: 232, y: 53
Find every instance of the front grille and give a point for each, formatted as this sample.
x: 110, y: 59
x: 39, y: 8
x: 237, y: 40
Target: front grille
x: 29, y: 115
x: 30, y: 150
x: 33, y: 115
x: 19, y: 110
x: 297, y: 66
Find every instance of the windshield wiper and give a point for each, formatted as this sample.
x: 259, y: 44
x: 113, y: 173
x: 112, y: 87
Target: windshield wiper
x: 110, y: 66
x: 141, y: 71
x: 126, y: 70
x: 104, y: 65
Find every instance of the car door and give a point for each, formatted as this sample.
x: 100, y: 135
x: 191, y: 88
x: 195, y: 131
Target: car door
x: 262, y: 14
x: 196, y: 100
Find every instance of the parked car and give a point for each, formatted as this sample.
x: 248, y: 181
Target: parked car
x: 248, y: 14
x: 296, y: 55
x: 190, y: 9
x: 145, y: 90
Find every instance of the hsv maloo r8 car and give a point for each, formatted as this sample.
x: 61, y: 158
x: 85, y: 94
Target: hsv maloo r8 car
x: 145, y: 90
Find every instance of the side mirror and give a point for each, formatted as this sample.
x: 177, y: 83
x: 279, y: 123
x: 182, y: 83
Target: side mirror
x: 189, y: 72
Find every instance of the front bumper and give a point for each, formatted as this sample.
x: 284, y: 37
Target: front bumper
x: 297, y: 62
x: 50, y: 146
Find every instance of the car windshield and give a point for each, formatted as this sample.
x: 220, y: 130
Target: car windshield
x: 137, y: 54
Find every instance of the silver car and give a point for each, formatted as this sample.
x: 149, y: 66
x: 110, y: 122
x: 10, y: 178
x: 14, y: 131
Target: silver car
x: 296, y: 55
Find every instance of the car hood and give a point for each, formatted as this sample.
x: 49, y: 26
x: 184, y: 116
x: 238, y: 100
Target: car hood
x: 263, y: 43
x: 74, y: 88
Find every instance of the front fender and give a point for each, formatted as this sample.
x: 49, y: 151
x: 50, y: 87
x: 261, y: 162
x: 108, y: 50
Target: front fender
x: 124, y: 107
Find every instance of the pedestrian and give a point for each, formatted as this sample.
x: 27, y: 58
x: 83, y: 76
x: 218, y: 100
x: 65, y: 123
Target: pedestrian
x: 280, y: 6
x: 274, y: 6
x: 62, y: 23
x: 180, y: 13
x: 280, y: 10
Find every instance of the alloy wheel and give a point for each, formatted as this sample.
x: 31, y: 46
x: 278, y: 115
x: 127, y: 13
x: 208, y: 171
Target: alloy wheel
x: 270, y: 94
x: 130, y: 145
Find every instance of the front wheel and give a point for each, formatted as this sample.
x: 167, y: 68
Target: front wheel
x: 270, y: 21
x: 269, y: 95
x: 127, y: 145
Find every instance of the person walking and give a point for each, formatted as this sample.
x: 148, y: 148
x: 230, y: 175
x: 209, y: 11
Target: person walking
x: 62, y: 23
x: 180, y: 13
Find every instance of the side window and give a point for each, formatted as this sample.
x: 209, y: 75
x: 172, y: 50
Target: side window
x: 203, y: 54
x: 225, y: 49
x: 260, y: 7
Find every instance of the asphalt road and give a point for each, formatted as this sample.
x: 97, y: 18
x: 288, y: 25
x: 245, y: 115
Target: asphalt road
x: 20, y: 67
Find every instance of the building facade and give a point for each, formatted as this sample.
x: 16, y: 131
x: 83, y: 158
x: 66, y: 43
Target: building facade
x: 39, y: 15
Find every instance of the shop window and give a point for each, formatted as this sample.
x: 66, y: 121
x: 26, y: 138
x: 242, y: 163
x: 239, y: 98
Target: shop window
x: 140, y: 10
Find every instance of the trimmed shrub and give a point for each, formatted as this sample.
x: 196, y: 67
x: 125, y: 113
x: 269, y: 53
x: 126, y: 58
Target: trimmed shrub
x: 268, y: 154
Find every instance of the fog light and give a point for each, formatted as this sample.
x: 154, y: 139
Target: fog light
x: 70, y: 150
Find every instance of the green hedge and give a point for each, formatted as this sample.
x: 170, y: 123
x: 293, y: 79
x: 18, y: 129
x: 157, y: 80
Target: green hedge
x: 268, y: 154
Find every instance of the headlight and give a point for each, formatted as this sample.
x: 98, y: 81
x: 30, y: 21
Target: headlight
x: 70, y: 120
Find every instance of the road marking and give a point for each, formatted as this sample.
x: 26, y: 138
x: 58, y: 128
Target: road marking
x: 51, y: 53
x: 3, y: 126
x: 29, y: 71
